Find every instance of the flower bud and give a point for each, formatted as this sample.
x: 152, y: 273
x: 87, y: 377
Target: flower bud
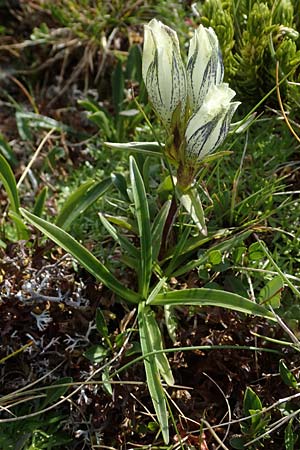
x: 163, y: 70
x: 209, y: 125
x: 204, y: 66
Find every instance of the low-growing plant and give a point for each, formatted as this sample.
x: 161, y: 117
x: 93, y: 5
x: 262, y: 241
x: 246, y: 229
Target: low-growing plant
x: 195, y: 108
x: 254, y: 36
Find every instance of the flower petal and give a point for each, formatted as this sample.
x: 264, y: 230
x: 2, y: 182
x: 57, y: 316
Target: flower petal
x: 205, y: 66
x: 163, y: 70
x: 208, y: 127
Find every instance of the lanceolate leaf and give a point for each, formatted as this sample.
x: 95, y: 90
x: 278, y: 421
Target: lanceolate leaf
x: 122, y: 241
x: 7, y: 151
x: 147, y: 148
x: 54, y: 394
x: 192, y: 203
x: 40, y: 202
x: 80, y: 200
x: 211, y: 297
x: 158, y: 227
x: 156, y: 343
x: 82, y: 255
x: 143, y: 219
x: 9, y: 183
x: 222, y: 247
x: 152, y: 375
x: 118, y: 87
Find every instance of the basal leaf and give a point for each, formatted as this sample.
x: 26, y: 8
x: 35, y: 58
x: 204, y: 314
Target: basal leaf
x: 9, y: 182
x: 153, y: 376
x: 82, y: 255
x: 211, y: 297
x: 80, y: 200
x: 143, y: 219
x: 156, y: 343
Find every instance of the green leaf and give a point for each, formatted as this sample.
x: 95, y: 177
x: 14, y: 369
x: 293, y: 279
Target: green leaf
x: 211, y: 297
x: 153, y: 376
x: 214, y: 257
x: 179, y: 250
x: 100, y: 119
x: 9, y: 183
x: 120, y: 183
x: 251, y: 402
x: 134, y: 64
x: 271, y: 292
x: 90, y: 105
x: 101, y: 323
x: 96, y: 353
x: 40, y: 202
x: 22, y: 231
x: 289, y: 436
x: 82, y: 255
x: 226, y: 245
x: 156, y: 343
x: 287, y: 376
x: 54, y: 394
x: 26, y: 120
x: 166, y: 186
x: 80, y: 200
x: 156, y: 290
x: 107, y: 387
x: 146, y: 148
x: 171, y: 322
x: 7, y: 151
x: 238, y: 254
x: 122, y: 241
x: 238, y: 442
x: 143, y: 219
x: 23, y: 128
x: 192, y: 203
x: 124, y: 222
x: 118, y: 85
x: 255, y: 252
x: 157, y: 229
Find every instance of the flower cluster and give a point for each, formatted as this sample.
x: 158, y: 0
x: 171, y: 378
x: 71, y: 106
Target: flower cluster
x: 192, y: 101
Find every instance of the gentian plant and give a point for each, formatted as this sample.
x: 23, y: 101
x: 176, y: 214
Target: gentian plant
x: 196, y: 109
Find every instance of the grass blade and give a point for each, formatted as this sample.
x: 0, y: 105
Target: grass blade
x: 152, y: 374
x: 82, y: 255
x: 143, y: 219
x: 211, y: 297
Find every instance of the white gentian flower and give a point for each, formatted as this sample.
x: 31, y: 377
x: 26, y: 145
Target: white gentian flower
x: 209, y: 125
x: 193, y: 102
x: 204, y: 66
x: 163, y: 70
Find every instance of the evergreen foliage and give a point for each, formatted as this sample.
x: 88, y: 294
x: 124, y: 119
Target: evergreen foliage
x: 254, y: 35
